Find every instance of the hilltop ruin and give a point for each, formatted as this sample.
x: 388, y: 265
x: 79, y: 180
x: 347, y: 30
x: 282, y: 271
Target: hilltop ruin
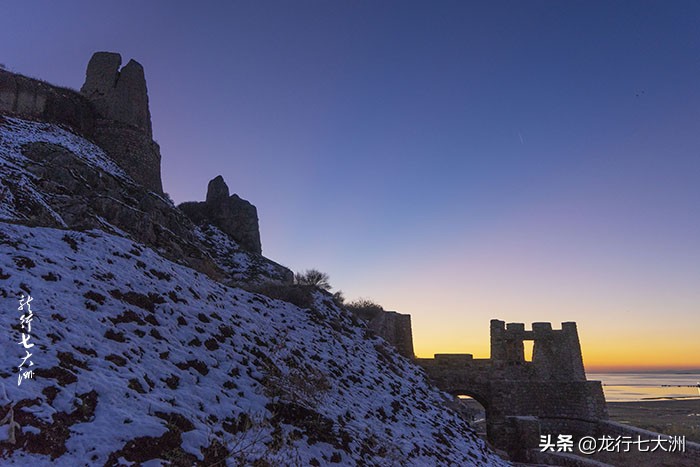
x: 112, y: 110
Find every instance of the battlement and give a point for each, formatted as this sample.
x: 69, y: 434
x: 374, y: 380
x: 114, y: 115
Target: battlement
x: 556, y: 353
x: 539, y: 329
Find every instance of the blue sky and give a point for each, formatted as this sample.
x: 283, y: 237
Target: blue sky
x: 529, y: 160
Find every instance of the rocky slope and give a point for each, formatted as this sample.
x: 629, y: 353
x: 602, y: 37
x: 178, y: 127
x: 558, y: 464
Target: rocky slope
x: 145, y: 354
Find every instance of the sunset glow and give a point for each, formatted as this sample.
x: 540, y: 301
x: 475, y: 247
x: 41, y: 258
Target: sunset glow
x: 456, y: 161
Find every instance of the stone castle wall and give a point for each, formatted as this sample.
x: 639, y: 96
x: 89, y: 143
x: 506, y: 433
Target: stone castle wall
x: 552, y: 387
x: 34, y: 99
x: 582, y: 400
x: 133, y: 150
x: 111, y: 109
x: 118, y: 94
x: 556, y: 353
x: 395, y: 328
x: 123, y: 129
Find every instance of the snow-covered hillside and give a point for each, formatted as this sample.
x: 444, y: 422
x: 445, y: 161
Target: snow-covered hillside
x: 240, y: 266
x: 139, y: 359
x: 18, y: 192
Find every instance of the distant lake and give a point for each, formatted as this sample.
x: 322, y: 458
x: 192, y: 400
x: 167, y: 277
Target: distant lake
x: 626, y: 387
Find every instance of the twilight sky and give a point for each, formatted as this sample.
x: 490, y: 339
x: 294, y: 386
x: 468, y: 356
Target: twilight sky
x: 458, y: 161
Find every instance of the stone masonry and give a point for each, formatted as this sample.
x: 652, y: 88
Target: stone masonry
x: 395, y: 328
x: 235, y: 216
x: 123, y: 128
x: 552, y: 387
x: 37, y: 100
x: 118, y: 95
x: 111, y: 109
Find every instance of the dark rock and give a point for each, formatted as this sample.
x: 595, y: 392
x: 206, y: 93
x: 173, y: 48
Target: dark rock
x: 217, y: 190
x: 112, y: 111
x: 88, y: 198
x: 239, y: 218
x: 233, y: 215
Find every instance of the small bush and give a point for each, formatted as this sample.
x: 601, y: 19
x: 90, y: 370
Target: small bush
x: 313, y: 277
x: 339, y: 298
x: 364, y: 308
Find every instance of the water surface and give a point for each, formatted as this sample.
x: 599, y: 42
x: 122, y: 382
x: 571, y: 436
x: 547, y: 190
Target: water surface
x: 640, y: 386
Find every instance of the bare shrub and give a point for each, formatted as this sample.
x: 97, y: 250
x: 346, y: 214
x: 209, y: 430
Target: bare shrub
x: 364, y: 308
x: 339, y: 298
x: 313, y: 277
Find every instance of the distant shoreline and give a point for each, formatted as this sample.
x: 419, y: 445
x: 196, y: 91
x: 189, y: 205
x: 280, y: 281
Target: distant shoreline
x: 635, y: 386
x: 658, y: 400
x: 648, y: 371
x: 661, y: 398
x: 670, y: 416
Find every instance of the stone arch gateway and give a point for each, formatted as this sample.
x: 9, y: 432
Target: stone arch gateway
x: 549, y: 394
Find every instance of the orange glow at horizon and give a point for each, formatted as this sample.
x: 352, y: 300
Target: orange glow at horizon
x: 605, y: 350
x: 595, y: 359
x: 631, y: 313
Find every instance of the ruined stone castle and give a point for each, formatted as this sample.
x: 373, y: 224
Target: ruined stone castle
x: 112, y: 110
x: 123, y: 123
x: 235, y: 216
x: 523, y: 399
